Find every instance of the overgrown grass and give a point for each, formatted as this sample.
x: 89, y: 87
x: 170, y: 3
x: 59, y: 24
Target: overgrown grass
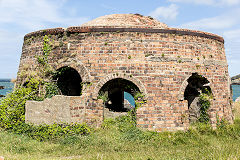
x: 120, y: 139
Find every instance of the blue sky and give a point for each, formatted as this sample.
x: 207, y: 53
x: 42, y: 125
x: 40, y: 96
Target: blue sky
x: 19, y: 17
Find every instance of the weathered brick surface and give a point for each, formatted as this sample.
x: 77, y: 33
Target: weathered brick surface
x: 158, y: 61
x: 57, y: 109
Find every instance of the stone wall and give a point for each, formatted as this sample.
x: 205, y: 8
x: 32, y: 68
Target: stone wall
x: 61, y: 109
x: 158, y: 61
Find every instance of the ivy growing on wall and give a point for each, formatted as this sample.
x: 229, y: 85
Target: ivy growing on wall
x: 41, y: 79
x: 139, y: 98
x: 103, y: 96
x: 39, y: 84
x: 204, y: 101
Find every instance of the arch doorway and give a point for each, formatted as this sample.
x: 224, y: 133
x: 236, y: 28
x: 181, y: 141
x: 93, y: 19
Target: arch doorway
x: 197, y: 85
x: 120, y: 94
x: 69, y: 81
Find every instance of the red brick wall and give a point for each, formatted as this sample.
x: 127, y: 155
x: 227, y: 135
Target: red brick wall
x: 157, y: 61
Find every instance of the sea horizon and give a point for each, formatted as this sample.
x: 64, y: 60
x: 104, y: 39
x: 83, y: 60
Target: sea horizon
x: 5, y: 80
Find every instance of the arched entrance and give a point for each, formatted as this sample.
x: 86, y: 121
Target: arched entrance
x: 68, y: 81
x: 197, y: 85
x: 120, y: 93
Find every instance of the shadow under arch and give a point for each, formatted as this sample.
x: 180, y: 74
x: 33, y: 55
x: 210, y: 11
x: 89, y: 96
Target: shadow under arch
x: 130, y: 78
x: 196, y: 85
x: 78, y: 66
x: 68, y: 81
x: 116, y: 90
x: 185, y: 84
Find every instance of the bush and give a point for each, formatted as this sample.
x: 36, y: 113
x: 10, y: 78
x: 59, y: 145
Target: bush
x: 12, y: 108
x: 205, y: 105
x: 51, y: 132
x: 12, y: 118
x: 51, y: 89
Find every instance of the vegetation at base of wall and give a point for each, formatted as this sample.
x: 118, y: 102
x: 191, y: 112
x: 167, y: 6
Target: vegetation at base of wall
x: 51, y: 132
x: 204, y: 106
x: 12, y: 107
x: 139, y: 99
x: 120, y: 139
x: 12, y: 118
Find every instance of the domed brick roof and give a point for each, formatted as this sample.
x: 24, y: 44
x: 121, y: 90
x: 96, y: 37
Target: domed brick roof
x: 125, y: 21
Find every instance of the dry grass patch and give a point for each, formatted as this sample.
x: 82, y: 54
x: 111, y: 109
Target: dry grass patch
x: 236, y: 110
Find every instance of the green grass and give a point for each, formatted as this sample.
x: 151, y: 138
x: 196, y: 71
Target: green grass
x: 119, y: 139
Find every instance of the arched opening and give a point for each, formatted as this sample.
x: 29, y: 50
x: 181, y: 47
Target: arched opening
x: 197, y: 85
x: 68, y: 81
x: 120, y: 94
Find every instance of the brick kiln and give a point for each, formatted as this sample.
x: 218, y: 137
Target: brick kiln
x: 126, y: 53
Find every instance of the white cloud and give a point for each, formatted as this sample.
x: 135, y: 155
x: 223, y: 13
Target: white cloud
x: 169, y: 12
x: 34, y: 14
x: 216, y: 23
x: 232, y: 34
x: 18, y: 17
x: 206, y: 2
x: 230, y: 2
x: 209, y: 2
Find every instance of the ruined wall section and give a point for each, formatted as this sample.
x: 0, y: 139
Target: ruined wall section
x: 160, y: 59
x: 58, y: 109
x: 62, y: 109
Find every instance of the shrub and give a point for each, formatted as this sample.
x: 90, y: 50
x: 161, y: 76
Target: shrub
x: 204, y: 106
x: 51, y: 132
x: 12, y: 107
x: 12, y: 118
x: 51, y: 89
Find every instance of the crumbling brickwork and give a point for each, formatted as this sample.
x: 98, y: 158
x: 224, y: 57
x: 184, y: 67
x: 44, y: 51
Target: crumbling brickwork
x: 159, y: 60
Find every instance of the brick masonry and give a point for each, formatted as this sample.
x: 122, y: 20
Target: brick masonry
x: 158, y: 60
